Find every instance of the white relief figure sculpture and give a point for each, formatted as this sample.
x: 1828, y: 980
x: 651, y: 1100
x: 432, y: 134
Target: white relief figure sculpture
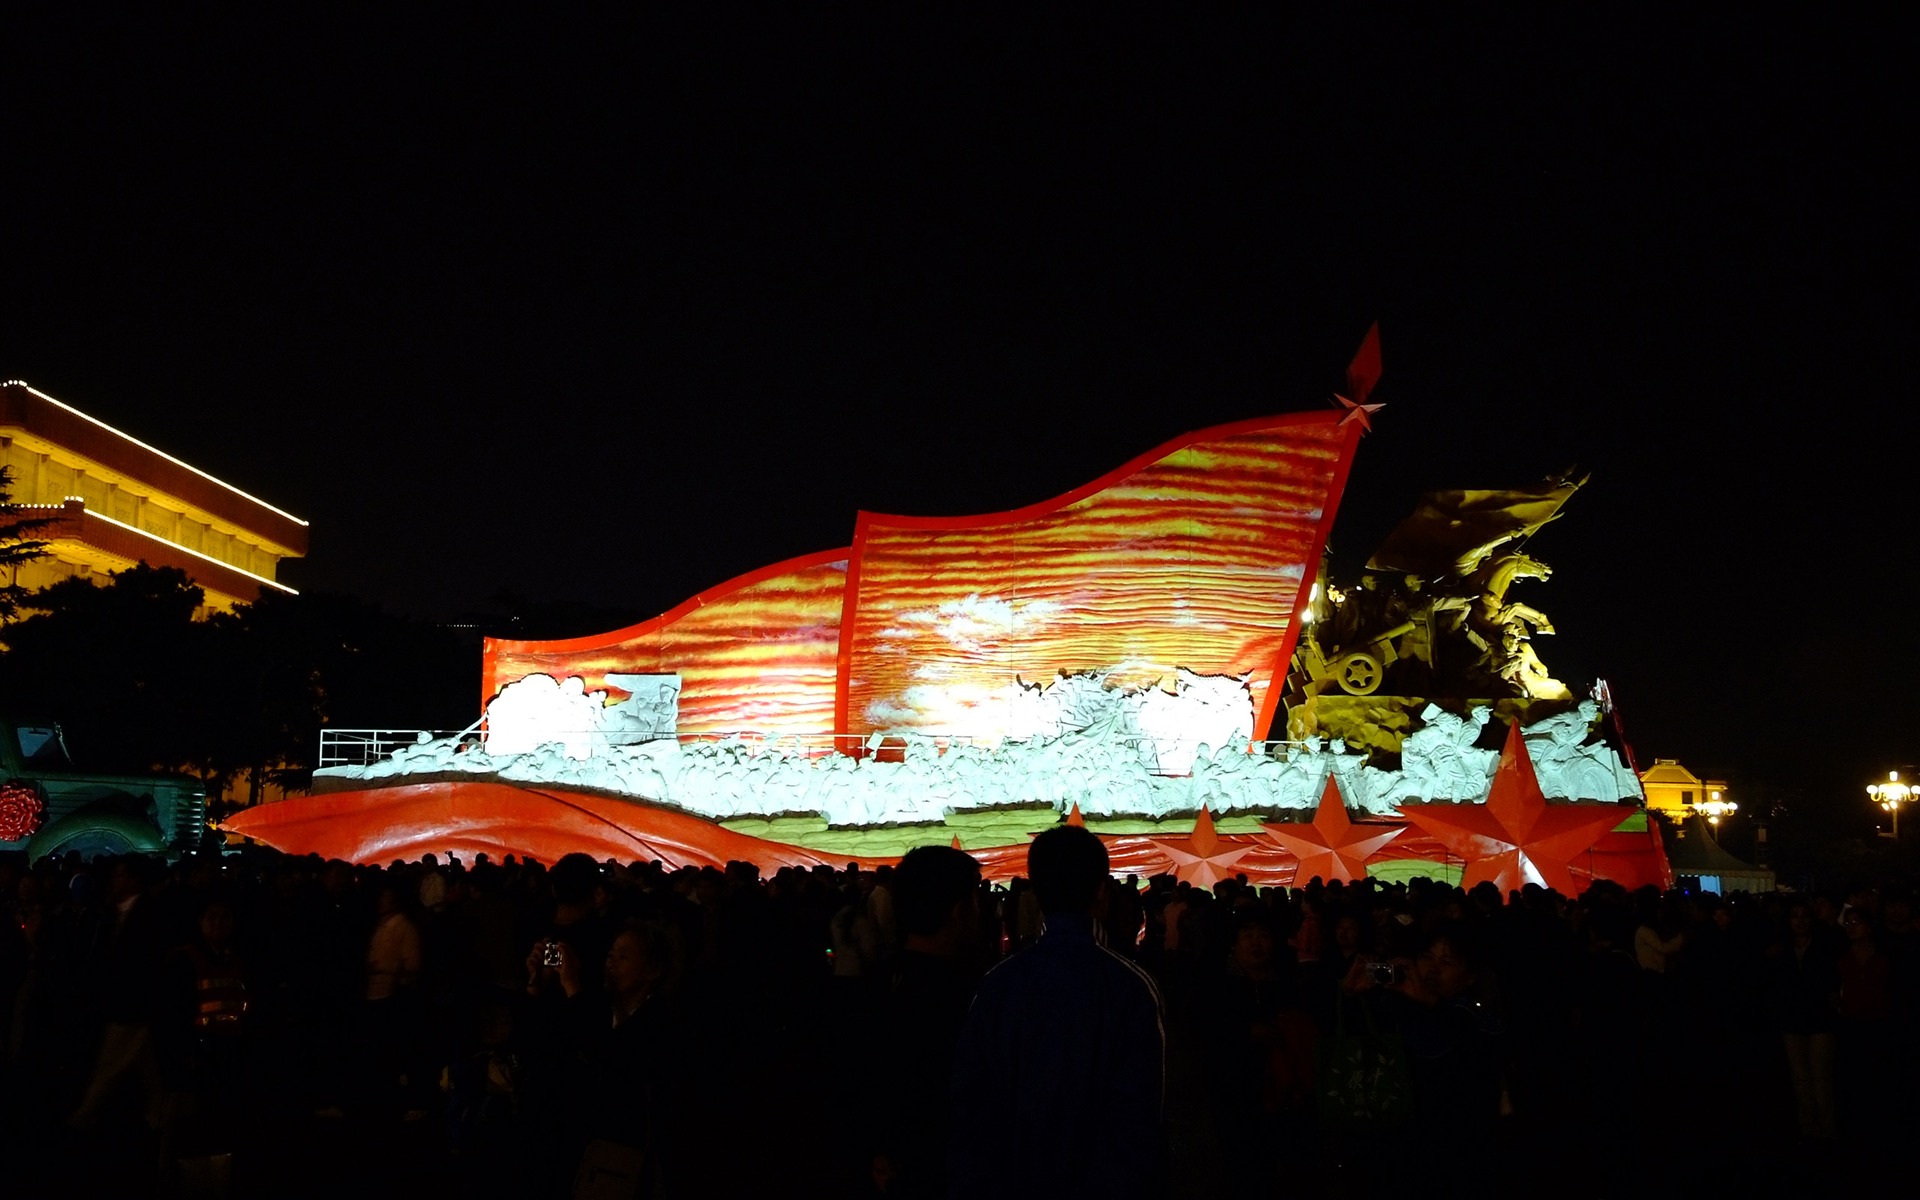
x: 759, y: 794
x: 1222, y: 704
x: 1228, y: 778
x: 650, y: 711
x: 1214, y: 709
x: 1225, y: 786
x: 1439, y: 761
x: 835, y: 797
x: 1102, y: 756
x: 1568, y: 767
x: 1345, y: 769
x: 1082, y: 700
x: 538, y: 709
x: 646, y: 777
x: 1268, y: 783
x: 1301, y: 776
x: 722, y: 796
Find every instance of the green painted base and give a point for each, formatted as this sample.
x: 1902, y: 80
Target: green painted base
x: 1400, y: 870
x: 977, y: 830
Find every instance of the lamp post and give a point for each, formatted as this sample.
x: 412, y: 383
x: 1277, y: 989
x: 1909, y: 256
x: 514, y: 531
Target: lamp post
x: 1715, y: 807
x: 1890, y: 796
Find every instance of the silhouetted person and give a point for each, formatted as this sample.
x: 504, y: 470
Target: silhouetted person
x: 202, y: 1035
x: 1806, y: 988
x: 936, y: 893
x: 612, y: 1055
x: 1059, y: 1083
x: 393, y: 1016
x: 126, y: 979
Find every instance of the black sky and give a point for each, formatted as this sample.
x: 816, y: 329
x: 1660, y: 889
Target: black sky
x: 609, y: 308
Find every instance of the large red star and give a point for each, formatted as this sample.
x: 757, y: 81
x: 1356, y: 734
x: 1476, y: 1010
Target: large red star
x: 1516, y: 837
x: 1201, y: 858
x: 1332, y: 847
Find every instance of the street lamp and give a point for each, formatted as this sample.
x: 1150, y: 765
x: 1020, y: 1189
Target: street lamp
x: 1714, y: 807
x: 1890, y: 796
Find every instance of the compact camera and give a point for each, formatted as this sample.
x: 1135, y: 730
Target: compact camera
x: 1384, y: 973
x: 550, y: 954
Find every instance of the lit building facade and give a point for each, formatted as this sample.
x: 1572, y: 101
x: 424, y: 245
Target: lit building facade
x: 1678, y: 793
x: 116, y: 501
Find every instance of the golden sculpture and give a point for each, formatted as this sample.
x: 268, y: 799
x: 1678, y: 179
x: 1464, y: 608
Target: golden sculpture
x: 1431, y: 615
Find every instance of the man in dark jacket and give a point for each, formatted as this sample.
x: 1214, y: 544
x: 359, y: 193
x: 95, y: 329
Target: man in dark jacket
x: 929, y: 991
x: 1059, y: 1081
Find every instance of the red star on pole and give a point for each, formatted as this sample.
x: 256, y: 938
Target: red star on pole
x: 1516, y: 837
x: 1201, y: 858
x: 1357, y: 412
x: 1332, y: 847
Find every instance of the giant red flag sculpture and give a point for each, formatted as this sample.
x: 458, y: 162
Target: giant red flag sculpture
x: 1516, y: 837
x: 1332, y: 847
x: 1364, y: 371
x: 1202, y: 858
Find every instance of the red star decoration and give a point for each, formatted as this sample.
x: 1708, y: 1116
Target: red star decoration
x: 1201, y: 858
x: 1332, y: 847
x: 1357, y: 412
x: 1516, y: 837
x: 1073, y: 818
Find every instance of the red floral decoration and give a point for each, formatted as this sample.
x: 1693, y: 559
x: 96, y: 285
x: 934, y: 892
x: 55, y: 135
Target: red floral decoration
x: 21, y: 811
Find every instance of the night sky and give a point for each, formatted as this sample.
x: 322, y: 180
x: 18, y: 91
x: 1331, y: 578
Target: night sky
x: 605, y: 310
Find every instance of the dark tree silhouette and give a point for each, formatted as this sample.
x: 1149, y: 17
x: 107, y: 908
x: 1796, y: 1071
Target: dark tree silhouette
x: 296, y: 663
x: 140, y: 684
x: 17, y: 544
x: 122, y: 665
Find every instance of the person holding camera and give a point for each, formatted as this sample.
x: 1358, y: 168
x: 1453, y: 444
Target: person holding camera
x: 608, y: 1051
x: 1440, y: 1002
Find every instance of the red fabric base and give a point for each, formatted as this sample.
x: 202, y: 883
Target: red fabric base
x: 382, y: 825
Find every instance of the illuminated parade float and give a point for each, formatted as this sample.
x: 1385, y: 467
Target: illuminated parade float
x: 1151, y: 654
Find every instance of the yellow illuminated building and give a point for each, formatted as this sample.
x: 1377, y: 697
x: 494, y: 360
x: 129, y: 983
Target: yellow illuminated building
x: 116, y: 501
x: 1678, y: 793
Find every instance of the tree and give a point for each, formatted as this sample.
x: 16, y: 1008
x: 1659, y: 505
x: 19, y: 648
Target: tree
x: 122, y: 665
x: 139, y: 683
x: 17, y: 544
x: 296, y: 663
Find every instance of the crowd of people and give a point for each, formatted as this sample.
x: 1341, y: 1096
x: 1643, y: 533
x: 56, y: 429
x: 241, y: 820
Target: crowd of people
x: 538, y: 1030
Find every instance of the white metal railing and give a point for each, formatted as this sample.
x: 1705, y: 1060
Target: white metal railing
x: 364, y: 747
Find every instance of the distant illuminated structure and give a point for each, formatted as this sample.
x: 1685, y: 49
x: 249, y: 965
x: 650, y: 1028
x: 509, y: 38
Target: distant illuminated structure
x: 1677, y: 793
x: 1891, y: 796
x: 116, y: 501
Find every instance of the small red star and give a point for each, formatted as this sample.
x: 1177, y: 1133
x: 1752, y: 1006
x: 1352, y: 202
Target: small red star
x: 1332, y: 847
x: 1357, y: 412
x: 1516, y: 837
x: 1201, y: 858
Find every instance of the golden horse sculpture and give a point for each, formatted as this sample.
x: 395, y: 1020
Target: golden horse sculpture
x: 1433, y: 610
